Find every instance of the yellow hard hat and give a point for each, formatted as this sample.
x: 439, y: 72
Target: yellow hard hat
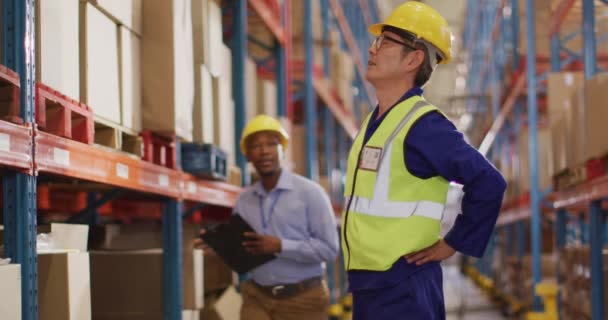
x: 263, y: 123
x: 424, y: 22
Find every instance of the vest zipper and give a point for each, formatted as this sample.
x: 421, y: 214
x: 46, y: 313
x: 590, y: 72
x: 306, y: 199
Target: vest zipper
x: 350, y: 200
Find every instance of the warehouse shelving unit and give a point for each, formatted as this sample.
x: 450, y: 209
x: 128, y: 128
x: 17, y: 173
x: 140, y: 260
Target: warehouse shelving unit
x: 539, y: 205
x: 28, y: 153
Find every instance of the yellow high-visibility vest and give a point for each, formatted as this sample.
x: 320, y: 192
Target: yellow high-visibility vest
x: 388, y: 212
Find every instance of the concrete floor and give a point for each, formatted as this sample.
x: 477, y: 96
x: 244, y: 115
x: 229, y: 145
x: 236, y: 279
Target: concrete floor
x: 463, y: 300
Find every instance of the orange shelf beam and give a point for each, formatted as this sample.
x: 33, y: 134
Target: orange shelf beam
x: 16, y: 146
x: 595, y: 189
x: 73, y: 159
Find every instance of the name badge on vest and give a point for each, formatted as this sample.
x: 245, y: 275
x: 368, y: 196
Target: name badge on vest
x: 370, y: 158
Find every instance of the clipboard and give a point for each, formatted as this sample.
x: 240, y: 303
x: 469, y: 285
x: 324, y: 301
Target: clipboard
x: 227, y: 241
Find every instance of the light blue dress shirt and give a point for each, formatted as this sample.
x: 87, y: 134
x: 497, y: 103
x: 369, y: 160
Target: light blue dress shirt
x: 297, y: 211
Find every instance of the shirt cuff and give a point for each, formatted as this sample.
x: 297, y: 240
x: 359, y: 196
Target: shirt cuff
x: 288, y: 247
x: 457, y: 240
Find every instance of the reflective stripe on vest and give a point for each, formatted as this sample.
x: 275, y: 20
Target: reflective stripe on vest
x: 380, y: 205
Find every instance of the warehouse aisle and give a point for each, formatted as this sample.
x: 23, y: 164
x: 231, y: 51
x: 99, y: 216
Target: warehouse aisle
x: 463, y: 300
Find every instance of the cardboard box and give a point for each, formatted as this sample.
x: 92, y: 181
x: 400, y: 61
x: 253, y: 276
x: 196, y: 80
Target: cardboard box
x: 10, y: 292
x: 251, y: 82
x: 560, y: 89
x: 137, y: 289
x: 57, y: 46
x: 73, y: 237
x: 224, y: 108
x: 191, y: 315
x: 297, y: 19
x: 575, y: 129
x: 265, y: 39
x: 203, y: 113
x: 123, y: 12
x: 130, y: 78
x: 267, y: 98
x: 545, y: 160
x: 559, y: 145
x: 298, y: 149
x: 596, y: 112
x: 298, y: 53
x: 225, y: 306
x: 64, y: 286
x: 207, y: 35
x: 137, y: 236
x: 168, y: 67
x: 99, y: 71
x: 218, y: 275
x: 234, y: 176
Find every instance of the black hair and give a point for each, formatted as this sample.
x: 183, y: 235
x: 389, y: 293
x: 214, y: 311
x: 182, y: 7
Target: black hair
x: 424, y: 72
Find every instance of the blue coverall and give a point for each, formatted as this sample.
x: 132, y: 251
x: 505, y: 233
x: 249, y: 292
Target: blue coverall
x: 433, y: 147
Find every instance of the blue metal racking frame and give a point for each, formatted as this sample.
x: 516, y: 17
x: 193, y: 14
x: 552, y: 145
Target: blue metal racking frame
x: 513, y: 220
x: 20, y: 188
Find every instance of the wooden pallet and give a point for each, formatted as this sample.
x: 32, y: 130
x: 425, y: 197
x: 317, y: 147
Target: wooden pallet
x: 591, y: 169
x: 63, y: 116
x: 10, y: 96
x: 115, y: 136
x: 160, y: 148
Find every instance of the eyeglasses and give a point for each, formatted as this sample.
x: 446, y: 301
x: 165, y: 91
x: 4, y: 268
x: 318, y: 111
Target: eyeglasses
x: 380, y: 39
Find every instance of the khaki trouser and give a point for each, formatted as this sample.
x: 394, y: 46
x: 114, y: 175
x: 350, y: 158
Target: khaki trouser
x: 311, y: 304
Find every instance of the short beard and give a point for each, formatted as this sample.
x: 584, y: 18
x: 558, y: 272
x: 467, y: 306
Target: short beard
x: 270, y: 173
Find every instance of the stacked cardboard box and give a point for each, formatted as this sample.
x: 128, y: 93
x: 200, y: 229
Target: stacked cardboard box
x: 561, y: 87
x: 203, y: 112
x: 91, y: 52
x: 298, y: 149
x: 576, y: 112
x: 252, y: 90
x: 137, y: 290
x: 137, y: 238
x: 168, y: 69
x: 207, y: 35
x: 320, y: 39
x: 208, y: 63
x: 267, y: 97
x: 570, y: 26
x: 343, y: 74
x: 545, y: 159
x: 575, y: 275
x: 58, y: 45
x: 594, y: 127
x: 63, y: 275
x: 10, y: 291
x: 110, y: 60
x: 223, y: 107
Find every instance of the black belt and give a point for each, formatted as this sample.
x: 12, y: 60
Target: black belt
x: 283, y: 291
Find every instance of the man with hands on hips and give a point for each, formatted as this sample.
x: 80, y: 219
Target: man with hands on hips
x: 294, y: 220
x: 398, y: 178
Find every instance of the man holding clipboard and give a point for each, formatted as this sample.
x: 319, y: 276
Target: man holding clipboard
x: 294, y: 222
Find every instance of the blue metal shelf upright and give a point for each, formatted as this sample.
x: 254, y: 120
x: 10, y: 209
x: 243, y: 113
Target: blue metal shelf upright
x: 18, y: 28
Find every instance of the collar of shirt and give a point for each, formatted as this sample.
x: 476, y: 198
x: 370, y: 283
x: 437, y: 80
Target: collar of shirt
x: 285, y: 183
x: 375, y: 123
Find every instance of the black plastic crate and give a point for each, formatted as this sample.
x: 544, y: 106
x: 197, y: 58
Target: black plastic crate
x: 204, y: 161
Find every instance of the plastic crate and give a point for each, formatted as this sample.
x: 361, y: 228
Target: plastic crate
x: 204, y: 161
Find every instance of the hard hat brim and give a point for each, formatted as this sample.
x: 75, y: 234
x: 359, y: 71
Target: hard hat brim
x: 376, y: 29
